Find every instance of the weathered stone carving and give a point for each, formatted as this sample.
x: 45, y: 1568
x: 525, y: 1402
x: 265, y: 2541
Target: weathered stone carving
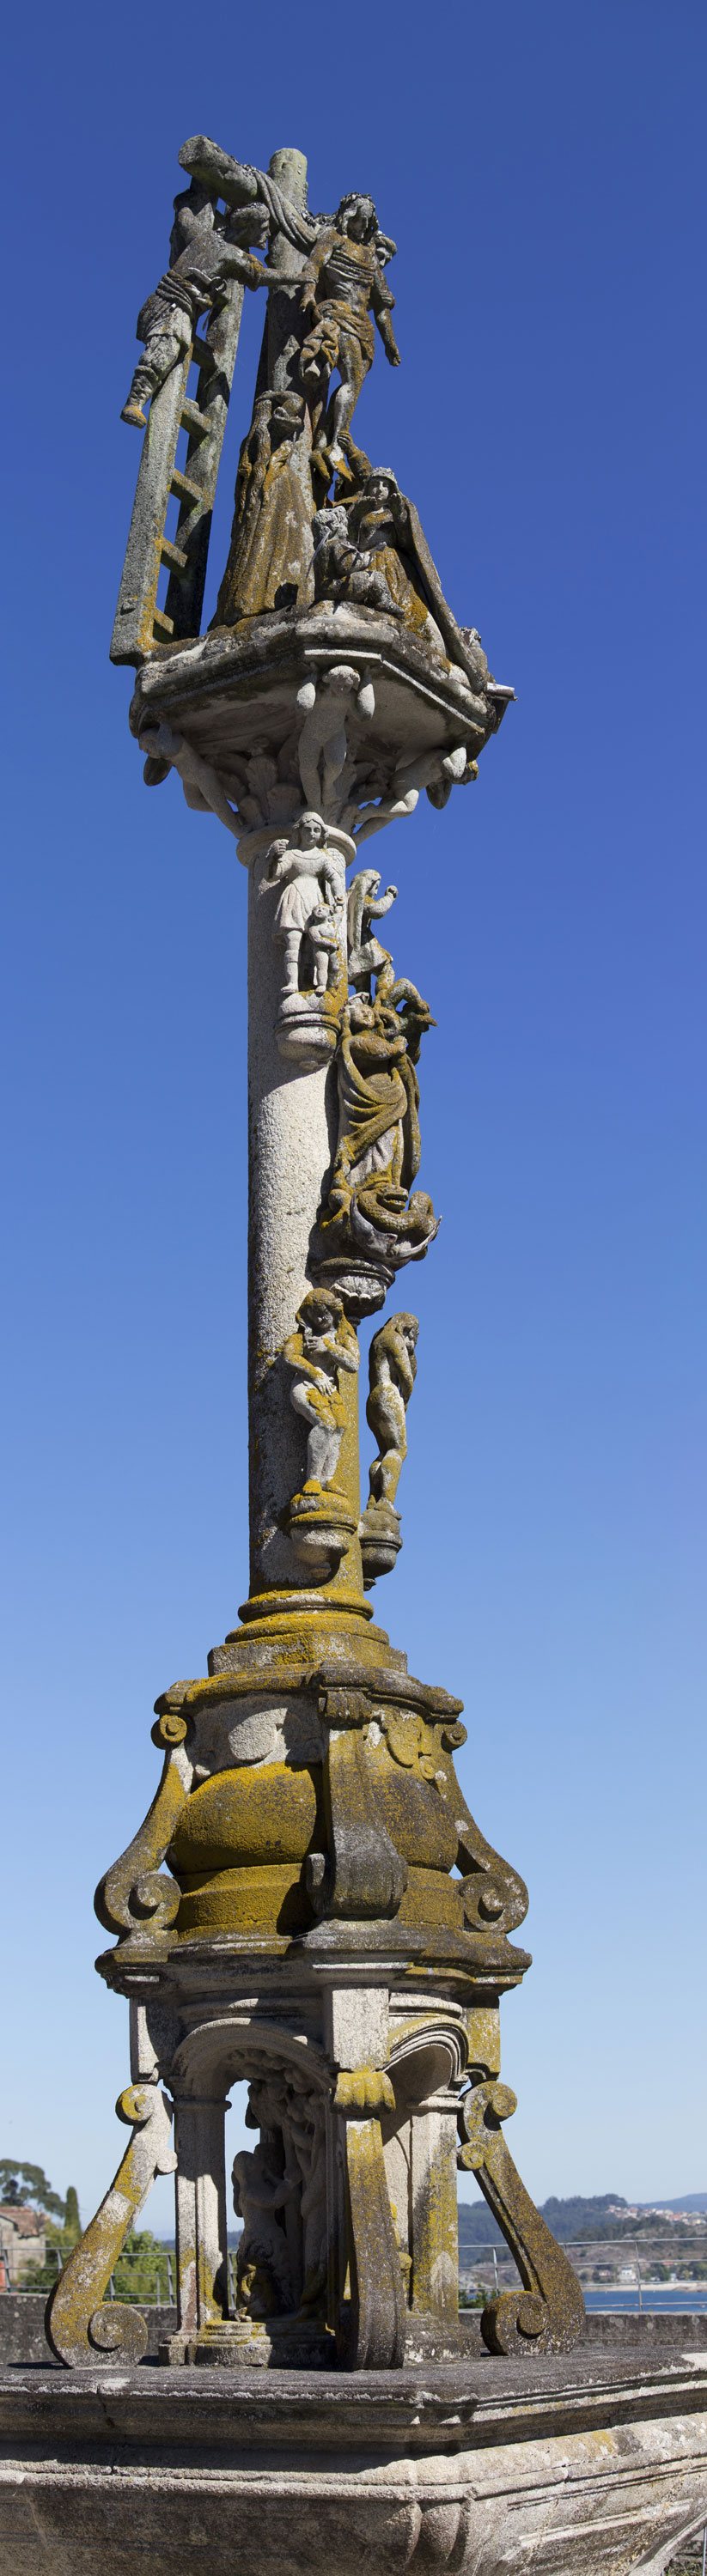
x: 260, y: 2194
x: 309, y: 1905
x: 366, y: 956
x: 306, y: 878
x: 550, y: 2312
x: 371, y: 2324
x: 270, y: 557
x: 362, y: 1875
x: 137, y: 1898
x: 323, y: 1347
x: 325, y: 761
x: 205, y: 253
x: 373, y: 1221
x: 343, y: 284
x: 78, y: 2327
x: 392, y: 1368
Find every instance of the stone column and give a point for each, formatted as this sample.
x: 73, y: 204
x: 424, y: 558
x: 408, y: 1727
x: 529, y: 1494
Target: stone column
x: 199, y: 2134
x: 435, y: 2236
x: 292, y: 1125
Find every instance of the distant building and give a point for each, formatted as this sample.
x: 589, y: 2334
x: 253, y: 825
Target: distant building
x: 22, y: 2239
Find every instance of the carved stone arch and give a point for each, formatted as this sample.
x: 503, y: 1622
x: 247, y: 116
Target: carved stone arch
x: 230, y: 2050
x: 429, y: 2060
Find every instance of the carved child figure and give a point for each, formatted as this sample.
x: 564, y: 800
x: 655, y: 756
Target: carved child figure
x: 265, y: 2285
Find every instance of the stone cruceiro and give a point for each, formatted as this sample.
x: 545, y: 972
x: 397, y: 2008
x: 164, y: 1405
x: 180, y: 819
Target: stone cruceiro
x: 309, y: 1907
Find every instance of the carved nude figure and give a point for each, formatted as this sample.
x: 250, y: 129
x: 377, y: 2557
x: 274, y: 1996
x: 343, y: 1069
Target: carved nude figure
x: 392, y: 1367
x: 265, y: 2284
x: 323, y: 1344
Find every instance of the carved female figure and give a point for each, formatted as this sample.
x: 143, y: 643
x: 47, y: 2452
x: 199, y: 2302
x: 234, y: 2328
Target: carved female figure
x: 324, y: 1344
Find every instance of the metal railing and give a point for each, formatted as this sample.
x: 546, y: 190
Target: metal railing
x: 609, y: 2264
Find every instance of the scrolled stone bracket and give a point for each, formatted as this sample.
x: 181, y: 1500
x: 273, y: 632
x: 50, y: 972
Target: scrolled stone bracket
x: 137, y: 1898
x: 79, y: 2329
x: 370, y: 2332
x: 495, y: 1897
x: 362, y: 1876
x: 548, y: 2315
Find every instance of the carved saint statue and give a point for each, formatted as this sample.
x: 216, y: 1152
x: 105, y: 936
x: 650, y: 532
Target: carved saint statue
x: 370, y: 550
x: 307, y: 878
x: 323, y: 1344
x: 366, y: 956
x: 205, y: 254
x: 371, y: 1205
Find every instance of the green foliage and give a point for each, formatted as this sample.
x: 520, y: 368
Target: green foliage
x: 141, y: 2270
x: 23, y: 2184
x: 72, y: 2221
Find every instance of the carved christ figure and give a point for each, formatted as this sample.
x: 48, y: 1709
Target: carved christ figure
x: 343, y: 284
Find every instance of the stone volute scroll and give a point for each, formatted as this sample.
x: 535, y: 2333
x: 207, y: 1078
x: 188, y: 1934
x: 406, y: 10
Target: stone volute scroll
x: 309, y: 1907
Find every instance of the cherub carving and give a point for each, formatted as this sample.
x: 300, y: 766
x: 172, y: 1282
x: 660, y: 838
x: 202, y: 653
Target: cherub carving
x: 205, y: 254
x: 308, y: 878
x: 323, y: 1344
x: 264, y: 2275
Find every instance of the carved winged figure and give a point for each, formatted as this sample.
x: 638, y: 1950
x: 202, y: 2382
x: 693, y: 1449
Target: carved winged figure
x: 307, y: 878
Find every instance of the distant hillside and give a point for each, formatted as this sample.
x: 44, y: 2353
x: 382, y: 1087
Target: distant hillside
x: 694, y: 2200
x: 575, y: 2217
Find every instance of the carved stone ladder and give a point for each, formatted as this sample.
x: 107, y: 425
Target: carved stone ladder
x: 139, y: 623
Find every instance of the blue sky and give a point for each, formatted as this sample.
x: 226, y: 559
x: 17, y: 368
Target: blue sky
x: 540, y: 170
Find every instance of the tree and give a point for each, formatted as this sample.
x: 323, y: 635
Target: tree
x: 72, y: 2221
x: 22, y: 2183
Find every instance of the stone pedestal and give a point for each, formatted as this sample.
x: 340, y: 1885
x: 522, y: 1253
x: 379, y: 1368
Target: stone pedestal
x: 569, y: 2468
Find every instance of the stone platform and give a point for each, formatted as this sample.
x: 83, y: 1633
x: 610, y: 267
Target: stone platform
x: 591, y: 2466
